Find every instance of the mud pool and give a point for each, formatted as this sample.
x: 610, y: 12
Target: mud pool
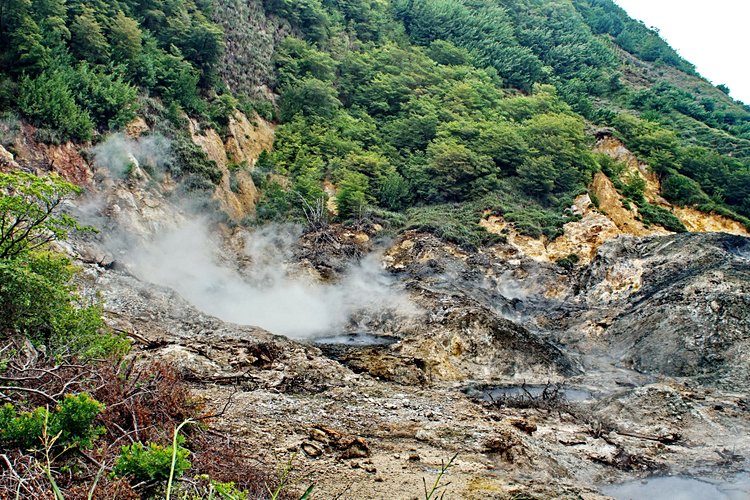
x: 682, y: 488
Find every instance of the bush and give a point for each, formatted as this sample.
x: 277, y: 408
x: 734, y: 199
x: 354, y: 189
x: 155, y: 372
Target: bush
x: 109, y: 101
x: 351, y: 198
x: 569, y: 262
x: 683, y: 190
x: 191, y: 159
x: 652, y: 214
x: 72, y: 420
x: 455, y: 223
x: 36, y: 294
x: 39, y: 302
x: 47, y: 101
x: 152, y: 462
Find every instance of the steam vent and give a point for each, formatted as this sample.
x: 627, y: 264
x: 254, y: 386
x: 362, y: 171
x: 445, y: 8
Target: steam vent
x: 373, y: 249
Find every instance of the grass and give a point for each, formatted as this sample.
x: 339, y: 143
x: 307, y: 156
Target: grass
x: 432, y: 494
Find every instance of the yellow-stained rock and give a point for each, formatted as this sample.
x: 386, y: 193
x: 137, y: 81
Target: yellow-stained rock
x: 700, y: 222
x: 248, y: 139
x: 583, y: 238
x: 243, y: 146
x: 136, y: 128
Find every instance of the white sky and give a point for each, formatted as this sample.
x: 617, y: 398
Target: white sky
x: 712, y: 34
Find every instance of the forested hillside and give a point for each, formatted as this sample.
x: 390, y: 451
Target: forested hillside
x: 423, y: 113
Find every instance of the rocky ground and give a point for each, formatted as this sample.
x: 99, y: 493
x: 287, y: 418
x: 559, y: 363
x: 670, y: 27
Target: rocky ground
x: 653, y: 332
x: 632, y: 362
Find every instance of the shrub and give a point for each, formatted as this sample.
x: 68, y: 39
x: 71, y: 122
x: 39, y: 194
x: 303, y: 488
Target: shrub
x: 38, y: 301
x: 569, y: 262
x: 151, y: 462
x: 191, y: 159
x: 36, y: 294
x: 72, y: 419
x: 652, y: 214
x: 634, y: 188
x: 29, y: 212
x: 683, y: 190
x: 455, y: 223
x: 352, y: 195
x: 47, y: 101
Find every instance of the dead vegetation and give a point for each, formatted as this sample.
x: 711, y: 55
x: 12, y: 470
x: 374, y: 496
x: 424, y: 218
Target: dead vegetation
x: 551, y: 398
x: 143, y: 403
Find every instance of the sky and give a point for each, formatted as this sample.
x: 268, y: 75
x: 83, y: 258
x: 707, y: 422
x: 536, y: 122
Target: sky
x: 714, y: 35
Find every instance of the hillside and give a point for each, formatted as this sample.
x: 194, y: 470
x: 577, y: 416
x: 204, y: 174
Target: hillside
x: 406, y: 107
x: 316, y: 248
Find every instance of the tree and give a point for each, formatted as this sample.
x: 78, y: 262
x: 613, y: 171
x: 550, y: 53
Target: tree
x: 394, y: 191
x: 52, y: 17
x: 47, y: 101
x: 29, y: 212
x: 126, y: 39
x: 452, y: 170
x: 311, y: 97
x: 21, y: 40
x: 88, y: 41
x: 296, y: 59
x: 36, y: 294
x: 446, y: 53
x: 351, y: 198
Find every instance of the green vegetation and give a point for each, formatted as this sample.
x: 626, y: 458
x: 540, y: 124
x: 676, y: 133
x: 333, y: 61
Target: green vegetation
x: 402, y: 105
x: 36, y: 294
x: 79, y: 65
x: 422, y: 114
x: 151, y: 462
x: 72, y: 421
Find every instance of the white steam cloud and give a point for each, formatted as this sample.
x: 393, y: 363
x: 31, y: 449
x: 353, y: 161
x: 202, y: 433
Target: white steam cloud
x: 271, y: 292
x: 119, y: 152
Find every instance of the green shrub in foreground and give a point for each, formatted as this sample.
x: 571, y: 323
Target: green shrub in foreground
x: 151, y: 462
x: 72, y: 419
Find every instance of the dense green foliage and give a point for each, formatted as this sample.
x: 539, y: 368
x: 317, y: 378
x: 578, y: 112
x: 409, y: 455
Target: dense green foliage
x: 423, y: 111
x: 72, y: 422
x: 77, y: 66
x: 150, y: 463
x: 29, y: 212
x: 394, y: 128
x: 400, y: 104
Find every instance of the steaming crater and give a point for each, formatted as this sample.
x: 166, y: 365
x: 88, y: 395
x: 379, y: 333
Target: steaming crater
x: 271, y: 292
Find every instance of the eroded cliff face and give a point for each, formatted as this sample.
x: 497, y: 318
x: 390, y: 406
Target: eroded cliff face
x: 139, y: 199
x: 694, y: 220
x: 610, y: 217
x: 236, y: 157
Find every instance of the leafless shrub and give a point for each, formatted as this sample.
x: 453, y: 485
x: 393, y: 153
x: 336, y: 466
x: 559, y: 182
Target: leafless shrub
x: 551, y: 398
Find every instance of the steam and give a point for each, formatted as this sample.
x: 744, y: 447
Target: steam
x: 119, y: 153
x: 271, y: 293
x: 171, y: 246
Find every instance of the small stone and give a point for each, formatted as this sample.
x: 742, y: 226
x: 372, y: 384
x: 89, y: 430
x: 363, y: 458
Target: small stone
x: 423, y: 435
x: 414, y: 457
x: 312, y: 450
x: 524, y: 425
x: 319, y: 436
